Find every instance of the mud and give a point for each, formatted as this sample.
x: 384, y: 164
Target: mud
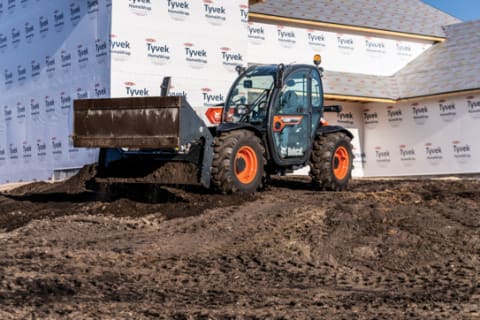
x: 384, y: 249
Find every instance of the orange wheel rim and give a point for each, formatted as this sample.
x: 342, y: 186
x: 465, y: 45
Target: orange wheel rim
x: 246, y: 164
x: 341, y: 163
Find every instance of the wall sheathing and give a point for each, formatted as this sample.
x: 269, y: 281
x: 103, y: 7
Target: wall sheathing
x: 51, y: 52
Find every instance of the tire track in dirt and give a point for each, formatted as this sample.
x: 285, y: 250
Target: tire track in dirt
x: 388, y: 249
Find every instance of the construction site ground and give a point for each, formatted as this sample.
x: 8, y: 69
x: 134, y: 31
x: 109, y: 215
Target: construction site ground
x: 383, y: 249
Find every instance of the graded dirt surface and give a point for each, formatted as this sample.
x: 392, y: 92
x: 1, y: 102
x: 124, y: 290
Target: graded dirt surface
x: 384, y: 249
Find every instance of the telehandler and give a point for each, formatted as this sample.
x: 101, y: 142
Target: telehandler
x: 270, y: 123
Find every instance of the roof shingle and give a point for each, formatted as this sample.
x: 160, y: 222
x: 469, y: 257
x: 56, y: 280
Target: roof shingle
x: 408, y: 16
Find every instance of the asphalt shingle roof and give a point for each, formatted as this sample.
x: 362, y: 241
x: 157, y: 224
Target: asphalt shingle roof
x: 446, y: 67
x: 408, y: 16
x: 360, y: 85
x: 451, y: 66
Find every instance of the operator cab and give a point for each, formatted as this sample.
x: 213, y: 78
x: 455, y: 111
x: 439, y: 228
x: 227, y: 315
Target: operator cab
x: 284, y: 104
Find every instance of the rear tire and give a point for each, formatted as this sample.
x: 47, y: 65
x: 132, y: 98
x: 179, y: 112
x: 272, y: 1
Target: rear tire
x: 331, y: 161
x: 238, y: 162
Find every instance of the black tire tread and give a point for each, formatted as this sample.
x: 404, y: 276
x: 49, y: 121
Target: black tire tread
x: 321, y: 169
x: 222, y: 164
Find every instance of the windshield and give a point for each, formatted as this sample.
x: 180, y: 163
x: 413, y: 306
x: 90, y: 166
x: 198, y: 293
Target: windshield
x: 248, y: 100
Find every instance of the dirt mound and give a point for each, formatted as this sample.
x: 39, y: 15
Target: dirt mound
x: 385, y: 249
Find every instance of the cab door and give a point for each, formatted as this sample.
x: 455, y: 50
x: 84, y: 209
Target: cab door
x: 290, y: 119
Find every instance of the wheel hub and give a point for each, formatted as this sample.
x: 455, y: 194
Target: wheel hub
x: 341, y: 163
x: 246, y: 164
x: 240, y: 164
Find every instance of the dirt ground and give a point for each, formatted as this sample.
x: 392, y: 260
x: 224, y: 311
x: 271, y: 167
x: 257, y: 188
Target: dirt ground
x: 384, y: 249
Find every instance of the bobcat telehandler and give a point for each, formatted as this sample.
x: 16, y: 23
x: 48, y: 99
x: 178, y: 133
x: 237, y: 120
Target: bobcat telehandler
x: 271, y: 123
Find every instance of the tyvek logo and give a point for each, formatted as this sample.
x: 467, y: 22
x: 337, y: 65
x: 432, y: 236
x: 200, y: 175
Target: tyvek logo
x: 462, y: 152
x: 382, y: 157
x: 244, y: 14
x: 24, y: 3
x: 132, y: 91
x: 256, y: 33
x: 1, y: 9
x: 15, y: 38
x: 286, y: 37
x: 345, y: 44
x: 119, y: 49
x: 420, y: 114
x: 27, y: 151
x: 370, y: 118
x: 50, y: 107
x: 13, y: 152
x: 433, y: 153
x: 404, y: 49
x: 211, y: 99
x: 100, y: 91
x: 75, y: 13
x: 108, y: 3
x: 43, y: 26
x: 215, y: 13
x: 473, y: 107
x: 11, y: 6
x: 21, y: 112
x: 41, y: 149
x: 34, y: 110
x: 157, y: 53
x: 82, y: 94
x: 196, y: 57
x: 101, y: 51
x: 448, y: 111
x: 178, y: 10
x: 394, y: 116
x: 56, y: 148
x: 316, y: 40
x: 3, y: 43
x: 21, y: 74
x: 8, y: 75
x: 375, y: 46
x: 66, y: 61
x: 408, y: 155
x: 65, y: 103
x: 230, y: 60
x: 58, y: 20
x: 176, y: 93
x: 29, y: 32
x: 92, y: 8
x: 345, y: 118
x: 7, y: 113
x: 50, y: 66
x: 82, y: 56
x: 140, y: 7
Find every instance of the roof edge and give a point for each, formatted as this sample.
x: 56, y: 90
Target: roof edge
x: 346, y: 97
x: 441, y: 95
x: 272, y: 18
x: 334, y: 96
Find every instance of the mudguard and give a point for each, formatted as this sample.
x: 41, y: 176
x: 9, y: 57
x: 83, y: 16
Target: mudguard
x: 324, y: 130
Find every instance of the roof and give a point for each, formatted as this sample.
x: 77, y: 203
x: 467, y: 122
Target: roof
x: 407, y: 16
x: 359, y: 85
x: 451, y: 66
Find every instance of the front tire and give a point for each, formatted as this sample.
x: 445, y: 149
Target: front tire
x: 238, y: 162
x: 331, y: 161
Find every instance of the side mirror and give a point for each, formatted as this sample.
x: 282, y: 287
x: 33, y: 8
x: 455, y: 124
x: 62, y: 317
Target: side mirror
x: 242, y: 109
x: 240, y: 69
